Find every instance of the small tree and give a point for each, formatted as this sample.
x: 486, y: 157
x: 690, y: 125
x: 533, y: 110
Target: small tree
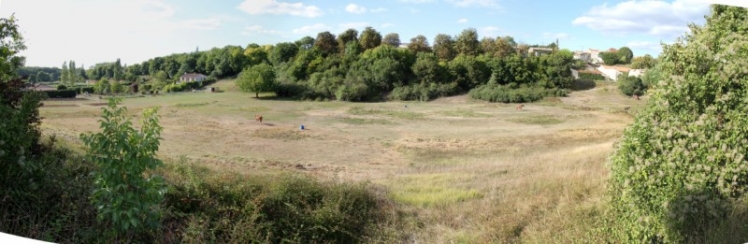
x: 125, y: 194
x: 258, y: 78
x: 610, y: 58
x: 630, y: 85
x: 625, y: 55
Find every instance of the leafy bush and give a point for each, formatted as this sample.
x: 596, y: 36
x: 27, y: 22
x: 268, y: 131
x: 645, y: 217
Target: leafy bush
x: 680, y: 172
x: 125, y: 196
x: 61, y: 93
x: 183, y: 86
x: 422, y: 92
x: 62, y: 87
x: 631, y: 85
x: 508, y: 94
x: 590, y: 76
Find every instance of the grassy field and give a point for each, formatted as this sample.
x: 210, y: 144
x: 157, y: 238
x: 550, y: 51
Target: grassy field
x: 461, y: 171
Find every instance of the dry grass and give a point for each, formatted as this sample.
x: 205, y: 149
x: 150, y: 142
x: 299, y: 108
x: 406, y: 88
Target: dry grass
x: 460, y: 170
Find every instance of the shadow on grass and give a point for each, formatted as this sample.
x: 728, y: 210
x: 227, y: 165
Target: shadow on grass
x: 582, y: 85
x: 708, y: 218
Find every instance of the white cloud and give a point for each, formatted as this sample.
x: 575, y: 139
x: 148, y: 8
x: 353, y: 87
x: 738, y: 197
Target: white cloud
x: 133, y: 31
x: 645, y: 45
x: 312, y: 29
x: 258, y: 29
x: 201, y: 24
x: 474, y: 3
x: 657, y: 18
x: 556, y: 35
x: 279, y: 8
x: 489, y: 31
x: 355, y: 9
x: 462, y: 21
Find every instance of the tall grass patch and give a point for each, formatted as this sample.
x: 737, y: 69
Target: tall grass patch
x: 537, y: 120
x: 432, y: 190
x: 206, y: 206
x: 358, y: 110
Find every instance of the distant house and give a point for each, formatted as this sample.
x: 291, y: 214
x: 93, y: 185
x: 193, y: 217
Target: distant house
x: 584, y: 56
x: 537, y: 51
x: 612, y: 72
x: 187, y: 77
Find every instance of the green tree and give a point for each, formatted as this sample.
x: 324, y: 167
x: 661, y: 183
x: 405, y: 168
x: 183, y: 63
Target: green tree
x: 283, y: 52
x: 12, y: 44
x: 419, y: 44
x: 126, y: 192
x: 467, y: 42
x: 488, y: 45
x: 64, y: 74
x: 504, y: 47
x: 162, y: 76
x: 305, y: 43
x: 610, y: 58
x: 103, y: 86
x: 625, y: 55
x: 42, y: 76
x: 256, y: 54
x: 370, y: 38
x: 444, y: 47
x: 643, y: 62
x: 631, y: 85
x: 258, y: 78
x: 469, y: 71
x: 679, y: 173
x: 350, y: 35
x: 427, y: 69
x: 326, y: 43
x: 116, y: 87
x: 557, y: 68
x: 20, y: 174
x: 392, y: 39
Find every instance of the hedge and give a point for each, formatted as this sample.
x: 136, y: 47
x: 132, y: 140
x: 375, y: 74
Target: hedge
x: 590, y: 76
x: 506, y: 94
x: 69, y: 93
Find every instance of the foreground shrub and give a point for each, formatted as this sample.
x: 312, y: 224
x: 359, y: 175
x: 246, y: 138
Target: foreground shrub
x: 125, y: 196
x: 19, y: 140
x: 206, y: 206
x: 506, y: 94
x: 680, y: 172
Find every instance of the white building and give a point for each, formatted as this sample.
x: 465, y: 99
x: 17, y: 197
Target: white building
x: 192, y: 77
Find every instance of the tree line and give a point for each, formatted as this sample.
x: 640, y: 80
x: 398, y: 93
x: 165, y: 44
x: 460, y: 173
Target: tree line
x: 353, y: 66
x: 367, y: 66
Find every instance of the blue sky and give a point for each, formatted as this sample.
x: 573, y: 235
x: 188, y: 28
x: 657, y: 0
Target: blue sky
x: 93, y: 31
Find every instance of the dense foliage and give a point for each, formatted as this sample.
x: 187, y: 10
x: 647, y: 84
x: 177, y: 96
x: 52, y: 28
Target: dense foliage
x: 631, y: 85
x: 623, y: 55
x: 680, y: 173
